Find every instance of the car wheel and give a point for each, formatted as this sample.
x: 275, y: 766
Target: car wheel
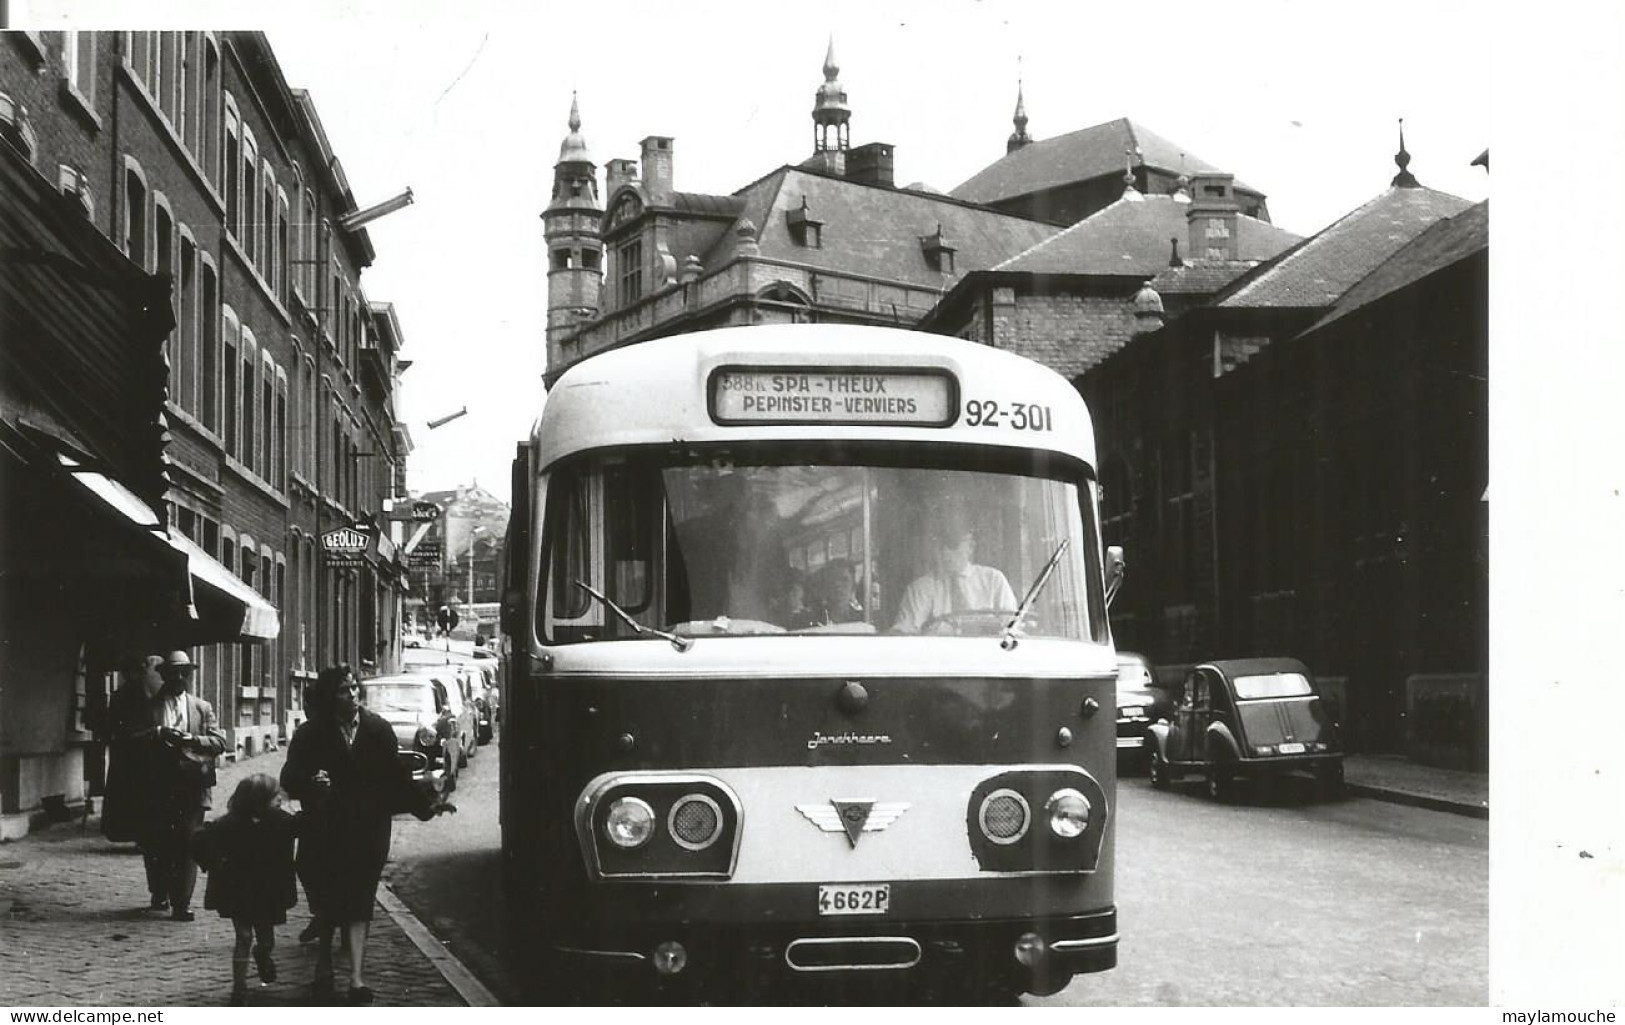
x: 1157, y: 770
x: 462, y: 755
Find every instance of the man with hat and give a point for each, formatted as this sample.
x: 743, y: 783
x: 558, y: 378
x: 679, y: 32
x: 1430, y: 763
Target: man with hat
x: 187, y: 742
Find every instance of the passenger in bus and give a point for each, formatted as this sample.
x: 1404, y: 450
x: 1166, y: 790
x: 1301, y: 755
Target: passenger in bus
x: 794, y: 611
x: 838, y: 594
x: 956, y: 584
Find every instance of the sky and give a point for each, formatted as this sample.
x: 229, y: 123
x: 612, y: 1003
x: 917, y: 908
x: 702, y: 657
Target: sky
x: 467, y: 103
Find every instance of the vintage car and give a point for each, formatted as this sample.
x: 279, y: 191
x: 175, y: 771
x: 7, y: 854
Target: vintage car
x: 458, y: 679
x: 1140, y: 702
x: 418, y: 709
x: 483, y: 672
x: 1249, y: 718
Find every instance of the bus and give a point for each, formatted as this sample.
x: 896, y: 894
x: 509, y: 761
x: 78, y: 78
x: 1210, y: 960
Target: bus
x: 809, y: 674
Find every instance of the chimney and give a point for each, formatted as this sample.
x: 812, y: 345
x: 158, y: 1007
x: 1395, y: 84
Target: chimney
x: 1212, y: 217
x: 871, y: 163
x: 657, y: 168
x: 618, y: 172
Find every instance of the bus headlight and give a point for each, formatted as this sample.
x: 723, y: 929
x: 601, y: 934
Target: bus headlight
x: 1004, y: 816
x: 695, y: 822
x: 1068, y: 813
x: 630, y: 823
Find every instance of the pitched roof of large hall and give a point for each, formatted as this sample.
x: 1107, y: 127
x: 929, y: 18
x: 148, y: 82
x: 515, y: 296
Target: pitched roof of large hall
x: 1323, y: 268
x: 1078, y: 156
x: 1131, y: 237
x: 1442, y: 244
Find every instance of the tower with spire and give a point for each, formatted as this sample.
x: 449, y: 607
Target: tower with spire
x: 831, y: 116
x: 1019, y: 137
x: 570, y: 226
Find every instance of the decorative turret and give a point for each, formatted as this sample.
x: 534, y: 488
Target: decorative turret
x: 1404, y: 179
x: 831, y: 130
x: 575, y: 254
x: 1019, y: 137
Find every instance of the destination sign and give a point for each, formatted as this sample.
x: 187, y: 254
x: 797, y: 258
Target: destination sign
x: 741, y: 395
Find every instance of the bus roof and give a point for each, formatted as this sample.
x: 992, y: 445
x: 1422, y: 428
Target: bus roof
x: 657, y: 392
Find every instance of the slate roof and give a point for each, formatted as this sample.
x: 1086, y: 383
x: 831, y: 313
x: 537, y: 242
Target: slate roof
x: 1445, y: 242
x: 1130, y: 237
x: 1078, y: 156
x: 1205, y: 279
x: 1320, y: 270
x: 875, y: 231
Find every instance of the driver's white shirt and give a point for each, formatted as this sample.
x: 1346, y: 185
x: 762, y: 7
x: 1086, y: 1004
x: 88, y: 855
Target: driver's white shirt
x: 981, y: 587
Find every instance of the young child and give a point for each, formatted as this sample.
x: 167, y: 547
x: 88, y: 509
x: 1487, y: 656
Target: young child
x: 248, y: 854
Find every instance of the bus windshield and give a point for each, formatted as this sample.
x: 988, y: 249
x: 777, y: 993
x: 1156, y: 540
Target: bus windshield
x: 788, y: 545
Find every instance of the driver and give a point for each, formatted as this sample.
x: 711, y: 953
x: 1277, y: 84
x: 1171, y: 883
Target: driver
x: 957, y: 584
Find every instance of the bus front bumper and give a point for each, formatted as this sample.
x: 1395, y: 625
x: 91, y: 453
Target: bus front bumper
x: 1034, y: 955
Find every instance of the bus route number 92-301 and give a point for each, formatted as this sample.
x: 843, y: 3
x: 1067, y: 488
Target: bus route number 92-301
x: 1019, y: 416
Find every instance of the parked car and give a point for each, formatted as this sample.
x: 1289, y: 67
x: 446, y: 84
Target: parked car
x: 485, y: 698
x: 455, y: 678
x: 1140, y: 702
x: 1248, y: 718
x: 418, y: 709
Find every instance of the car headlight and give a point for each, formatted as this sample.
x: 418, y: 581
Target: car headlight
x: 630, y: 823
x: 425, y: 737
x: 1068, y: 813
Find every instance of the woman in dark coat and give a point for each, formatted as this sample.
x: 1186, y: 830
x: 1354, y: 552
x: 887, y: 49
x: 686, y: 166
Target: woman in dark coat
x: 344, y: 769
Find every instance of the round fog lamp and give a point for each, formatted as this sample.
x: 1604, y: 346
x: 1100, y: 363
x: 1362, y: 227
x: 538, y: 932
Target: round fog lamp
x: 1068, y: 813
x: 424, y: 737
x: 1030, y: 949
x: 670, y: 958
x: 630, y: 823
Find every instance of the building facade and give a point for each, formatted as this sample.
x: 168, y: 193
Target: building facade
x: 192, y: 155
x: 1298, y: 467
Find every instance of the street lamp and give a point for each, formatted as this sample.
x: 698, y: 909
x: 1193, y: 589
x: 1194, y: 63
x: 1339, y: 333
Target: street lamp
x: 472, y: 537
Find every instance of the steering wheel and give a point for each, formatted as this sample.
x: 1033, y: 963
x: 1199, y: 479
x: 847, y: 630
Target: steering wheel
x: 971, y: 622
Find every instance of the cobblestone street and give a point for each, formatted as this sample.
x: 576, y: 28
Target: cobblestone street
x: 75, y: 929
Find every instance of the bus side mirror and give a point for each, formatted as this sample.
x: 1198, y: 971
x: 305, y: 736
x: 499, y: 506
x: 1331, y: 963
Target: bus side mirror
x: 1115, y: 569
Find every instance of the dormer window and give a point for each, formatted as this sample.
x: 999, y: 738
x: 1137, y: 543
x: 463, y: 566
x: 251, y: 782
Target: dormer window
x: 15, y: 126
x: 75, y: 183
x: 939, y: 252
x: 805, y: 229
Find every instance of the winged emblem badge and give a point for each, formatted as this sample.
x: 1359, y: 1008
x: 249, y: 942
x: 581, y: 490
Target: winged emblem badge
x: 853, y: 816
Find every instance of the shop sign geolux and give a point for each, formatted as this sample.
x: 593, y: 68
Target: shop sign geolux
x: 346, y: 547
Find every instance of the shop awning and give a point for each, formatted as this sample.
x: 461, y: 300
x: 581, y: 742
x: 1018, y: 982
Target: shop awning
x: 222, y: 607
x: 221, y: 600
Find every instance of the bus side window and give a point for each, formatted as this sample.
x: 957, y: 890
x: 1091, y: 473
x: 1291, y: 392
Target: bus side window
x: 572, y: 548
x: 631, y: 505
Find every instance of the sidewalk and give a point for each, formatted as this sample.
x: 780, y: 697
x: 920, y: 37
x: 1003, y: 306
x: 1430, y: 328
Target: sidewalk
x: 75, y: 929
x: 1397, y: 779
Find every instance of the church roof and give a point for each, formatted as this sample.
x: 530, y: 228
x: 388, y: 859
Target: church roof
x: 1078, y: 156
x: 1323, y: 268
x: 1445, y: 242
x: 1130, y: 237
x: 874, y: 231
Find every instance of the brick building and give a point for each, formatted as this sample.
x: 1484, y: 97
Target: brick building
x: 191, y: 154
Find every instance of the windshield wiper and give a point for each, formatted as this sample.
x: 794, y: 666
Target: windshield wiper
x: 680, y: 643
x: 1009, y: 641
